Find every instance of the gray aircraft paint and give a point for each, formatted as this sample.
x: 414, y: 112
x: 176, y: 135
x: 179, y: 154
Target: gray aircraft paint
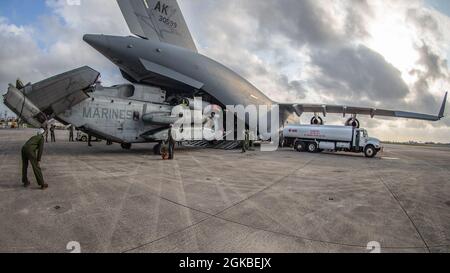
x: 164, y: 58
x: 157, y: 20
x: 117, y: 118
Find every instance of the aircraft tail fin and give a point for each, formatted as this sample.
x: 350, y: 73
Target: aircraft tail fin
x: 157, y: 19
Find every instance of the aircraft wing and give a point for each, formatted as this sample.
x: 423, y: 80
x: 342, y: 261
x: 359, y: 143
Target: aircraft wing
x: 324, y: 109
x: 157, y: 19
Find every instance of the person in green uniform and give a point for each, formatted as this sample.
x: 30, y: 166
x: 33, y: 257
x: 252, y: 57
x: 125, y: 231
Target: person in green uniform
x: 71, y: 133
x: 251, y: 141
x: 52, y: 133
x: 245, y: 141
x: 32, y: 152
x: 46, y: 133
x: 172, y: 143
x: 165, y: 150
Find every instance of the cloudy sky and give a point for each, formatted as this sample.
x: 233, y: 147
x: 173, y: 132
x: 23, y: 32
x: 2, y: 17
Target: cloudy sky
x: 387, y: 54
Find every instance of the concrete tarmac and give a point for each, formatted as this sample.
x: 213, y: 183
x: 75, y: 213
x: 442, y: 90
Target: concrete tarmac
x: 113, y: 200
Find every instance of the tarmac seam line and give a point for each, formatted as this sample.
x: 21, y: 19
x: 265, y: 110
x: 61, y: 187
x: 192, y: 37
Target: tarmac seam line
x: 266, y: 230
x: 406, y: 213
x: 256, y: 228
x: 403, y: 209
x: 213, y: 215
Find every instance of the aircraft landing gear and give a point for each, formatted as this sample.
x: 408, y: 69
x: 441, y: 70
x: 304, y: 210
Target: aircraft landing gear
x: 126, y: 146
x: 157, y: 149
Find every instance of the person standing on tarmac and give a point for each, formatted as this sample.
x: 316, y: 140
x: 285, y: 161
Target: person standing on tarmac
x: 89, y: 140
x: 32, y: 152
x: 172, y: 143
x: 46, y: 132
x: 245, y: 141
x: 52, y: 133
x: 251, y: 140
x: 164, y: 150
x: 71, y: 133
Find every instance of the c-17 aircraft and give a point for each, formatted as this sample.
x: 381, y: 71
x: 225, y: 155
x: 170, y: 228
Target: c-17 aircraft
x: 164, y: 69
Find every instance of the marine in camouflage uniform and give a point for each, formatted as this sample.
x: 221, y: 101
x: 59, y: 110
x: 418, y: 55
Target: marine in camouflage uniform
x: 32, y: 152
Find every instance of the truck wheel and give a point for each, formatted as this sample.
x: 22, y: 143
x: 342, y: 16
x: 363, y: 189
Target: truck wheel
x: 370, y: 151
x: 125, y: 146
x: 311, y: 147
x: 300, y: 146
x: 84, y: 139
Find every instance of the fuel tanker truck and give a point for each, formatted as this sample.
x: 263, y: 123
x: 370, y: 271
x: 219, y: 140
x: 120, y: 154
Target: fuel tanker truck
x: 317, y: 138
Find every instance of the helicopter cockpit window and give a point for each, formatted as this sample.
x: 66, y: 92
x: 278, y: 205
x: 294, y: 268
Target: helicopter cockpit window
x: 136, y: 116
x: 126, y: 91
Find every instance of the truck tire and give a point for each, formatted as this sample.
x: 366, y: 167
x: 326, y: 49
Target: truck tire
x: 126, y: 146
x: 300, y: 146
x: 370, y: 151
x: 84, y: 139
x: 311, y: 147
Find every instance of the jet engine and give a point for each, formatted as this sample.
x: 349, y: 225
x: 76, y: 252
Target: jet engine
x: 316, y: 120
x: 353, y: 122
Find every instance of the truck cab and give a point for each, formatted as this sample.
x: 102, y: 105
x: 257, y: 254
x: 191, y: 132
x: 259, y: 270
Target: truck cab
x: 364, y: 143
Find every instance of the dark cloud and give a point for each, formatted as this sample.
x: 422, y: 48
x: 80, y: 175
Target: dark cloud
x: 359, y: 72
x: 294, y: 88
x: 310, y: 22
x: 431, y: 68
x: 301, y: 21
x: 435, y: 67
x: 358, y: 12
x: 347, y: 72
